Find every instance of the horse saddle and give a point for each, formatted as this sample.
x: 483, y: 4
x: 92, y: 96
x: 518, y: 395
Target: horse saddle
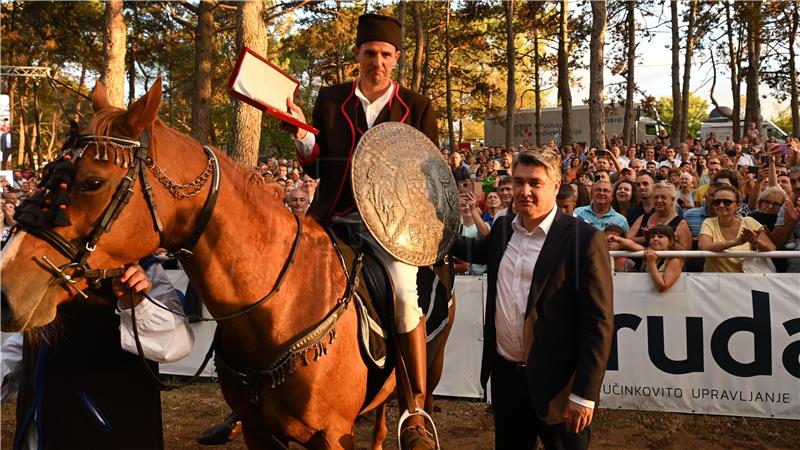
x: 374, y: 293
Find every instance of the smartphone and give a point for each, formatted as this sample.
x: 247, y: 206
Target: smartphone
x: 502, y: 172
x: 765, y: 161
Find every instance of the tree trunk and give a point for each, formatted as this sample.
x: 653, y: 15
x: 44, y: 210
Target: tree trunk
x: 113, y: 75
x: 53, y: 135
x: 536, y: 93
x: 753, y: 107
x: 733, y: 65
x: 629, y: 121
x: 401, y: 64
x: 203, y: 61
x: 36, y: 141
x: 22, y: 130
x: 11, y: 82
x: 687, y: 69
x: 564, y: 92
x: 677, y: 106
x: 794, y: 18
x: 511, y: 94
x: 419, y: 47
x: 133, y: 42
x: 597, y: 114
x: 246, y: 137
x: 448, y: 82
x: 426, y: 63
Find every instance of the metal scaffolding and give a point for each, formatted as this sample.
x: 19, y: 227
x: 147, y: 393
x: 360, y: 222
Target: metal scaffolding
x: 25, y: 71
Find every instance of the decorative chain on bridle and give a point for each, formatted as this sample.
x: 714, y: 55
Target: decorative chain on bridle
x: 182, y: 191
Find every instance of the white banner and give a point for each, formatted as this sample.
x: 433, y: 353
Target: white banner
x: 713, y: 344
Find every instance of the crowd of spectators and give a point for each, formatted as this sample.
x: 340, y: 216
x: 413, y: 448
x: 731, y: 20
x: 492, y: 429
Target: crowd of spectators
x: 703, y: 194
x: 711, y: 195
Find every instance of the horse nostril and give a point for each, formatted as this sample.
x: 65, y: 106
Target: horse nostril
x: 5, y: 308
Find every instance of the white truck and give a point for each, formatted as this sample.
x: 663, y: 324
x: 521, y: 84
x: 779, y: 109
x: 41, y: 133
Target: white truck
x: 525, y: 131
x: 723, y: 129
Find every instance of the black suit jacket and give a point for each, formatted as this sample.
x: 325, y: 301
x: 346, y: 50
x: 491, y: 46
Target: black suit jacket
x: 340, y: 118
x: 569, y: 322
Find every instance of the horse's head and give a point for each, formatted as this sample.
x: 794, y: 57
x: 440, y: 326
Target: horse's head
x: 78, y: 223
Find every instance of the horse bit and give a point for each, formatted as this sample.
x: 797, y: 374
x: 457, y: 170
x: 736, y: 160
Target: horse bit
x: 138, y: 159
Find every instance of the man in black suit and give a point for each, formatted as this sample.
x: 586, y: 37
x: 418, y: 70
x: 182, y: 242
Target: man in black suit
x: 343, y: 113
x: 549, y: 313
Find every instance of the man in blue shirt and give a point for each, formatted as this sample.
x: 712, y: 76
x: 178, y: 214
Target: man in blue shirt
x: 600, y: 213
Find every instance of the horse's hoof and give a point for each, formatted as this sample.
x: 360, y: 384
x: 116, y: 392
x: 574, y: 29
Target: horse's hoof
x: 416, y: 437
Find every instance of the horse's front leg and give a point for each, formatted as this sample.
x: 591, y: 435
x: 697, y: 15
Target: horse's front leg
x: 379, y: 429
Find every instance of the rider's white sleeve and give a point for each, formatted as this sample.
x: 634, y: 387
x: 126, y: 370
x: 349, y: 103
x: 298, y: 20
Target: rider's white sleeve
x: 165, y: 337
x: 305, y: 146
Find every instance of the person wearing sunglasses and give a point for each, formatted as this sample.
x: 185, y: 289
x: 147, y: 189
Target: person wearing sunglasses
x: 729, y: 232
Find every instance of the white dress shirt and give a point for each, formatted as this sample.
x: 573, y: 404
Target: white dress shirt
x: 371, y: 110
x: 514, y: 279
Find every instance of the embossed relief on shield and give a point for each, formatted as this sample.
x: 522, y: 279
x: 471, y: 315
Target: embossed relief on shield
x: 405, y: 193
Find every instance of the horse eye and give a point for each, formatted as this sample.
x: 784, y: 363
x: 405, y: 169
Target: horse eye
x: 91, y: 184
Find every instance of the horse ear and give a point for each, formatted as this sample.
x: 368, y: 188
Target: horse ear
x: 143, y: 112
x: 99, y: 98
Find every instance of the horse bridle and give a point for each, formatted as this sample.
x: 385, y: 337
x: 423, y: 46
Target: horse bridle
x: 78, y: 250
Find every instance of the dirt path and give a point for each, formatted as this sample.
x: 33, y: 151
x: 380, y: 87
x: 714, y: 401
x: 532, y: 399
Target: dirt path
x: 466, y: 425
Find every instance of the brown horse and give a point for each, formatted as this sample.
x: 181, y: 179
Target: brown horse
x: 238, y: 259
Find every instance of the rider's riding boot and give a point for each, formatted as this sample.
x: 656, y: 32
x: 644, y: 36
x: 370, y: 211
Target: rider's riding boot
x: 412, y: 348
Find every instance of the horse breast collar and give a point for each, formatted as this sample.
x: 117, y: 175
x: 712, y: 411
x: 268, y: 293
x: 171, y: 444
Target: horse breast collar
x: 46, y: 209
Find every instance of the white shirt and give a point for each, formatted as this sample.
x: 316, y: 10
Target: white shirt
x: 514, y: 279
x: 371, y: 110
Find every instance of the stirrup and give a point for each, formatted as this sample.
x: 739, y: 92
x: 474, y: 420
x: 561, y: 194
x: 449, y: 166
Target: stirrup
x: 419, y: 412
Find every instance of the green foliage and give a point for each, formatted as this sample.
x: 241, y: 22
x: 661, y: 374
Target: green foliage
x: 784, y: 121
x: 315, y: 44
x: 698, y: 113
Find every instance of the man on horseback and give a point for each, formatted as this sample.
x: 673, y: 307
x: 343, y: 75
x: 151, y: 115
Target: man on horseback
x: 343, y: 113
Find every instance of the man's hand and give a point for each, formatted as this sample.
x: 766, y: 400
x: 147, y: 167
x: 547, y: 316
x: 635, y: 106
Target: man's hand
x: 134, y: 278
x: 296, y: 112
x: 791, y: 213
x: 577, y: 417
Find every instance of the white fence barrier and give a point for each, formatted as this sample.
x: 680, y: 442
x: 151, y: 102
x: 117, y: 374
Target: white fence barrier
x: 713, y: 344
